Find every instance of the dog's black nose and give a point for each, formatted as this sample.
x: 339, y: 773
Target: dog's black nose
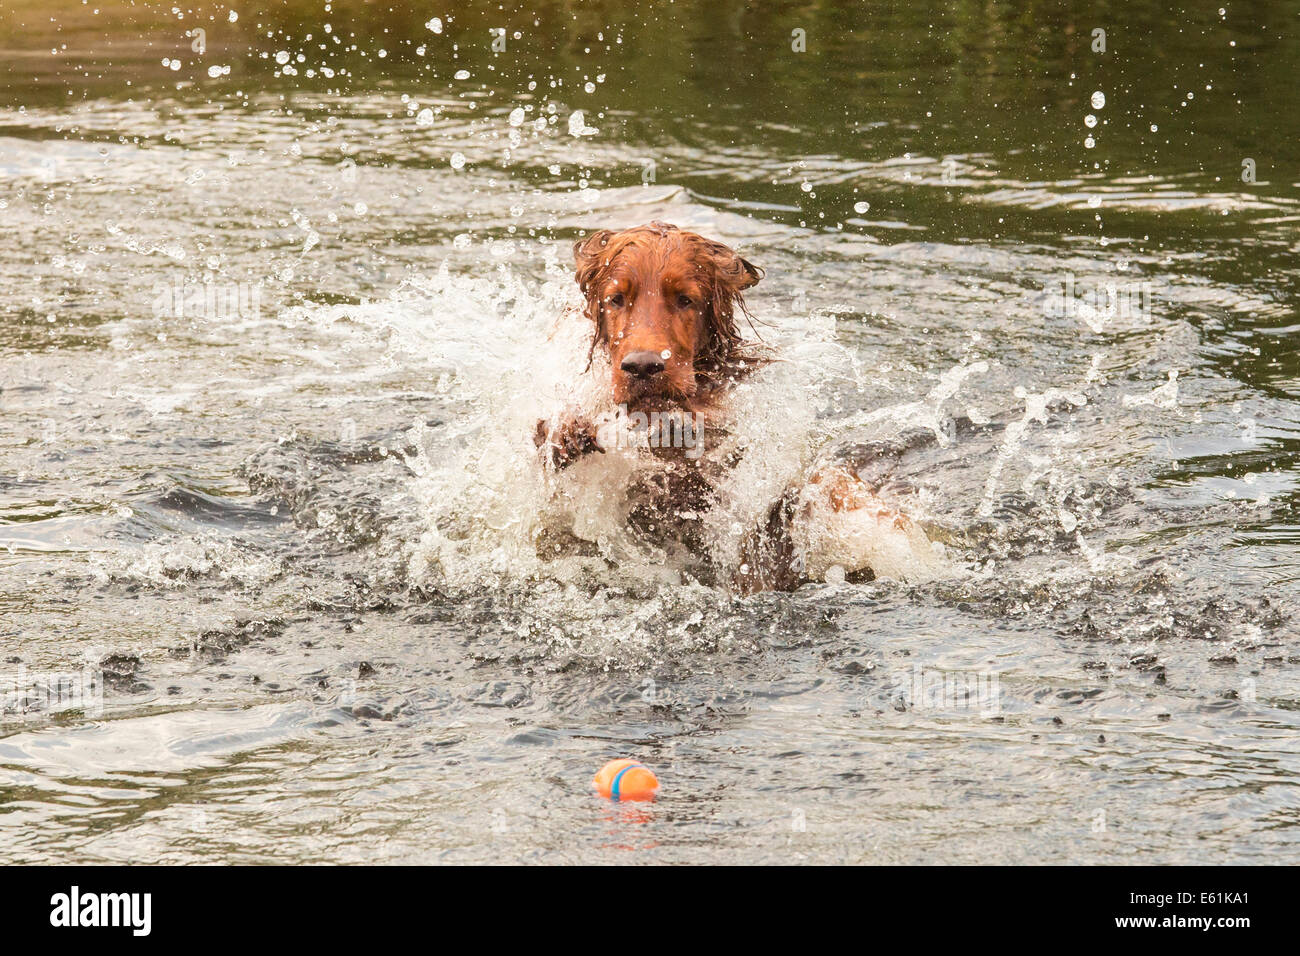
x: 643, y: 364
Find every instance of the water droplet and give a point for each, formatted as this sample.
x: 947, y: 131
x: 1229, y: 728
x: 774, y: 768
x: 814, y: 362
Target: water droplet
x: 578, y: 124
x: 457, y: 160
x: 1090, y: 121
x: 1098, y: 100
x: 1089, y: 143
x: 517, y: 116
x: 462, y: 74
x: 861, y: 207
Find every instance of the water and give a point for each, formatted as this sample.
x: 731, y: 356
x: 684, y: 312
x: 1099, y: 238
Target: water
x: 292, y: 520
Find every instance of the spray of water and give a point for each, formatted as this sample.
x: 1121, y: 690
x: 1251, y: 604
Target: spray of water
x: 503, y: 353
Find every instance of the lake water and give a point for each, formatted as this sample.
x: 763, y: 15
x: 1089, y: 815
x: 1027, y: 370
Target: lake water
x: 271, y: 299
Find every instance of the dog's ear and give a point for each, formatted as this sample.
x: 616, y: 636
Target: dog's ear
x: 729, y: 275
x: 589, y: 258
x: 749, y: 274
x: 731, y: 270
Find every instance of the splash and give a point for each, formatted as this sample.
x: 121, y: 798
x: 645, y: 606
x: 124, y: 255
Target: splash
x: 504, y: 353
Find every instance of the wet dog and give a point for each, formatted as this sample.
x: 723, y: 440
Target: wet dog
x: 664, y: 304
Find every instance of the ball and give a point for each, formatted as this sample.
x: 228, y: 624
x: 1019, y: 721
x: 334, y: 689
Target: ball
x: 626, y: 780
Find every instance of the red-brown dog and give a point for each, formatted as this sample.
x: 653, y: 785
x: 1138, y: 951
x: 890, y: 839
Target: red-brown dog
x: 663, y: 304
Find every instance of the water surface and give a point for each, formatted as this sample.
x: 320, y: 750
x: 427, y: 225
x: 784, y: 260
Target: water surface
x: 287, y: 521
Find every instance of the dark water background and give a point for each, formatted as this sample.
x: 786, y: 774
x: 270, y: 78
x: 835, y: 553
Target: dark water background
x: 210, y: 509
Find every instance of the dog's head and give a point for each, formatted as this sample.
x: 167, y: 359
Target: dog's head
x: 664, y: 306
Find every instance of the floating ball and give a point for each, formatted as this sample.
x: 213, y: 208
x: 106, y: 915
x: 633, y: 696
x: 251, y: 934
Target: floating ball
x: 626, y: 780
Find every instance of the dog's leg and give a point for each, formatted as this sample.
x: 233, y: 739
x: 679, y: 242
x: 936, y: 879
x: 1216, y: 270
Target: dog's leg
x: 840, y: 521
x: 563, y: 442
x: 769, y: 558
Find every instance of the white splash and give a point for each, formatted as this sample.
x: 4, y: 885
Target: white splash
x: 503, y: 353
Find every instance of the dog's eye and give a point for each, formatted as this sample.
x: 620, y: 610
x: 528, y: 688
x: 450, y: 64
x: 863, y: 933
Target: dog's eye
x: 616, y: 300
x: 685, y: 302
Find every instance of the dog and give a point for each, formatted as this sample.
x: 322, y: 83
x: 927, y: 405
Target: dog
x: 664, y: 306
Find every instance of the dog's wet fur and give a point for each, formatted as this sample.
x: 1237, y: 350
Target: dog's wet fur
x: 664, y: 305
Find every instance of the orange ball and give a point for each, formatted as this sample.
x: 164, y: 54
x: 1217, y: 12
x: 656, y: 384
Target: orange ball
x: 626, y: 780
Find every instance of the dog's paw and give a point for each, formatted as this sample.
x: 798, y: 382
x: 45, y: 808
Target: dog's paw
x: 564, y: 443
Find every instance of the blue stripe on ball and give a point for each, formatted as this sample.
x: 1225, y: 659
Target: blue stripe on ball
x: 613, y: 787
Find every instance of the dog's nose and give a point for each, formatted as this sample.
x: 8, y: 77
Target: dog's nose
x: 643, y: 364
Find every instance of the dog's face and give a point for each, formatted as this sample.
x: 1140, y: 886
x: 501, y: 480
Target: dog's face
x: 663, y: 302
